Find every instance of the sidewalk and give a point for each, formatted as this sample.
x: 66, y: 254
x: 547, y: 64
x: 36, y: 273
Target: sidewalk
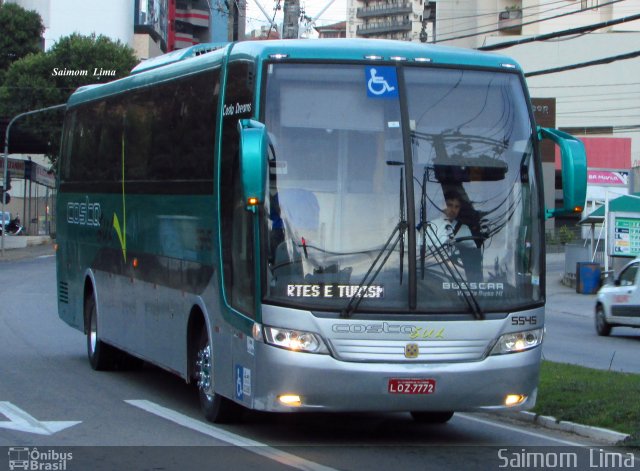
x: 34, y: 246
x: 562, y: 298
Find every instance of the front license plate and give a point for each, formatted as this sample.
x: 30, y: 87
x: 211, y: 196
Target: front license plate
x: 412, y: 386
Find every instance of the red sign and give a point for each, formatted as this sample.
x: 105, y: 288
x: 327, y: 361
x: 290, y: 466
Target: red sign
x: 606, y: 177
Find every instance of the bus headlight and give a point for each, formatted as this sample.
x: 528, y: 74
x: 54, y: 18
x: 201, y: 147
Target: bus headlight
x: 296, y: 340
x: 518, y: 341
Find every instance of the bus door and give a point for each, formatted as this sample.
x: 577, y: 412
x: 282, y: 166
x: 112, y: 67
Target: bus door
x: 234, y: 345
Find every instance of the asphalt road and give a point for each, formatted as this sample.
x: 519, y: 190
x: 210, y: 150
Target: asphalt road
x: 51, y: 400
x: 570, y: 333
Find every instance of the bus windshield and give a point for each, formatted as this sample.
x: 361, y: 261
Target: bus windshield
x: 412, y: 189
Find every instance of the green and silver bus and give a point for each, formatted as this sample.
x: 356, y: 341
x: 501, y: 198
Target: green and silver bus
x: 261, y: 219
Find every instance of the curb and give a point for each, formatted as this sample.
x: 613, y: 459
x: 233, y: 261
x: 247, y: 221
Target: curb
x: 610, y: 437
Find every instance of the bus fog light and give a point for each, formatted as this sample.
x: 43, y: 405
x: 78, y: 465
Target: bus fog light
x: 514, y: 399
x: 295, y: 340
x: 518, y: 341
x: 290, y: 400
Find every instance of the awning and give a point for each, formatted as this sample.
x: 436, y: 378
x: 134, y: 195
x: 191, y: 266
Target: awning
x: 622, y: 204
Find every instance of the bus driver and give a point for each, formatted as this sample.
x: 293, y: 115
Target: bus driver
x: 448, y: 232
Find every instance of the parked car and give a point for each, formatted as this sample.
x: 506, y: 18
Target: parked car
x: 618, y: 302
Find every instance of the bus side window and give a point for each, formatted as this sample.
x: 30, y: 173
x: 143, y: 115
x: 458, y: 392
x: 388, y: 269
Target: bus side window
x: 237, y: 235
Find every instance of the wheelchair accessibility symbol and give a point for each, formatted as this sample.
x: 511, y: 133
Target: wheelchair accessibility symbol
x: 382, y: 82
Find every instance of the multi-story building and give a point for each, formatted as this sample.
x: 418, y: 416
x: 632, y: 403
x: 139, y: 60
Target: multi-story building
x: 335, y: 30
x: 150, y: 27
x: 409, y: 20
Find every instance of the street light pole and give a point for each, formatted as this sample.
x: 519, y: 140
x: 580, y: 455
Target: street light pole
x: 6, y: 156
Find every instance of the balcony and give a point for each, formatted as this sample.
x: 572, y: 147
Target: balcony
x: 384, y: 10
x: 510, y: 21
x: 384, y: 28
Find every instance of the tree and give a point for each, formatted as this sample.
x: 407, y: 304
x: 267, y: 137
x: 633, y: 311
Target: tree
x: 46, y: 79
x: 20, y: 35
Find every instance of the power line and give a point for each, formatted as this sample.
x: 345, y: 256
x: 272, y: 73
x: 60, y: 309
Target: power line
x: 532, y: 15
x: 558, y: 34
x: 598, y: 85
x: 604, y: 60
x: 531, y: 22
x: 603, y: 109
x: 494, y: 12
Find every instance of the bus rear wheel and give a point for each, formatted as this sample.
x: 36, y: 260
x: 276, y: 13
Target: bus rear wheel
x: 431, y: 417
x: 101, y: 356
x: 216, y: 408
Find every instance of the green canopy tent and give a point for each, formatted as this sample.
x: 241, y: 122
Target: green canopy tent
x: 627, y: 203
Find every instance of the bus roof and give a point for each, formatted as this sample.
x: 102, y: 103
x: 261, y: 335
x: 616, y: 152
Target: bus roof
x: 188, y: 61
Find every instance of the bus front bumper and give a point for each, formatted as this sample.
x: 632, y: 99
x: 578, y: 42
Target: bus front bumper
x: 325, y: 384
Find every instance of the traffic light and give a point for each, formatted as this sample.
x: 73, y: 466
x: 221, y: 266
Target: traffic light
x: 6, y: 197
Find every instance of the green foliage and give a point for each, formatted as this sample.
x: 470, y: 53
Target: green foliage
x: 46, y: 79
x: 592, y: 397
x: 20, y: 32
x: 561, y: 236
x: 565, y: 235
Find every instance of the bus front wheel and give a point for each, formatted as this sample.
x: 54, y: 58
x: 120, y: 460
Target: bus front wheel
x: 101, y: 356
x: 216, y: 408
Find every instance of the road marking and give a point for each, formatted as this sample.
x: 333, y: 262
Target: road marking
x: 23, y: 422
x: 45, y: 256
x: 520, y: 430
x: 228, y: 437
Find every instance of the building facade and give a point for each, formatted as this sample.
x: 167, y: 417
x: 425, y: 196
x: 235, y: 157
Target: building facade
x: 335, y: 30
x: 408, y: 20
x: 150, y: 27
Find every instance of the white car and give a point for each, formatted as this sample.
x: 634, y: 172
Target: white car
x: 618, y: 303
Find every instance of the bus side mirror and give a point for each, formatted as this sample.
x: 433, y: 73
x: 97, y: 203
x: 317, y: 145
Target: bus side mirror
x: 574, y: 171
x: 253, y: 161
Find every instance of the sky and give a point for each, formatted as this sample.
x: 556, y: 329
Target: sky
x: 335, y: 13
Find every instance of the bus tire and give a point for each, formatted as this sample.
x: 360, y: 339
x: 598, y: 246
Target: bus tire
x: 102, y: 357
x: 215, y: 408
x: 602, y: 326
x: 432, y: 417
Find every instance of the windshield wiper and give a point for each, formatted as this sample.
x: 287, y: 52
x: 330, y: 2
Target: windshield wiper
x: 350, y: 308
x: 444, y: 259
x: 400, y: 229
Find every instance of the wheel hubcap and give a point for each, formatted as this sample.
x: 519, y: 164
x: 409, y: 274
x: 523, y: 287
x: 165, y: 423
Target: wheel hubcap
x: 93, y: 333
x: 203, y: 370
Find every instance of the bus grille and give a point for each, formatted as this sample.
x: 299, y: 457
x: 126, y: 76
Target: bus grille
x: 430, y: 351
x: 63, y: 292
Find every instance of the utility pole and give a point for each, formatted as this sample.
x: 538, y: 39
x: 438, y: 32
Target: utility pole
x: 290, y: 26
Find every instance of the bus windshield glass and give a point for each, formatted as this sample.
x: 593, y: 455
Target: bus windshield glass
x: 410, y: 189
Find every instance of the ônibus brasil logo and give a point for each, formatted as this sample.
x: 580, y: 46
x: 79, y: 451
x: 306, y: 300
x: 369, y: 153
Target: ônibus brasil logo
x: 34, y: 459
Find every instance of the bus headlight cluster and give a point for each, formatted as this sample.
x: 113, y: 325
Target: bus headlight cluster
x: 518, y: 341
x: 296, y: 340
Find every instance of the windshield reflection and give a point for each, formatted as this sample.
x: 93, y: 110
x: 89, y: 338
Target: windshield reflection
x: 336, y: 217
